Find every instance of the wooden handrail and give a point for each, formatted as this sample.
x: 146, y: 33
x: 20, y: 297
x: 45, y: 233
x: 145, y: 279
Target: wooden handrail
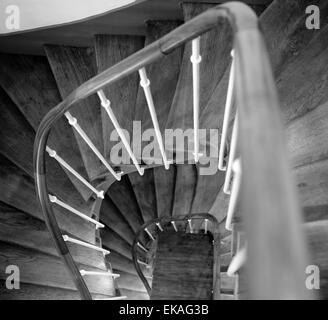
x: 167, y: 220
x: 277, y: 255
x: 271, y: 211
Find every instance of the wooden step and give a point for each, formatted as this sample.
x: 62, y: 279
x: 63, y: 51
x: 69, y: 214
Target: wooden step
x: 222, y: 230
x: 220, y: 206
x: 307, y: 137
x: 46, y: 270
x: 215, y: 52
x: 225, y: 244
x: 225, y: 259
x: 123, y: 264
x: 130, y: 281
x: 71, y: 67
x: 37, y: 292
x: 144, y: 190
x: 227, y: 283
x: 165, y: 187
x: 185, y: 185
x: 121, y: 193
x: 224, y: 296
x: 241, y: 285
x: 317, y: 240
x: 109, y: 50
x: 120, y: 262
x: 17, y: 145
x: 29, y: 82
x: 17, y: 189
x: 20, y: 228
x: 207, y: 189
x: 302, y: 85
x: 112, y: 241
x: 134, y: 295
x: 282, y: 24
x: 111, y: 216
x: 17, y: 136
x: 308, y: 152
x: 312, y: 182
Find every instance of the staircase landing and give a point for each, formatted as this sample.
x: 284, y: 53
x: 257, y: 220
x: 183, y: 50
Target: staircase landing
x: 183, y: 267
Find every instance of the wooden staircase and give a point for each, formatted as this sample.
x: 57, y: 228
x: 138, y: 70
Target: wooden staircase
x: 30, y: 86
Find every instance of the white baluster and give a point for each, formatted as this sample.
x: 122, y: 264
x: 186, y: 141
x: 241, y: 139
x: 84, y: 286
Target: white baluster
x: 106, y: 105
x: 227, y: 111
x: 190, y: 226
x: 145, y: 84
x: 143, y: 263
x: 233, y: 148
x: 142, y: 247
x: 159, y: 226
x: 237, y: 261
x: 150, y: 235
x: 174, y: 226
x: 195, y: 60
x: 234, y: 194
x: 206, y: 221
x: 73, y: 122
x: 54, y: 199
x: 53, y: 154
x: 85, y: 244
x: 99, y: 273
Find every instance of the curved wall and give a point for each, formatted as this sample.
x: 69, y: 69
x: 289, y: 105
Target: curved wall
x: 22, y: 15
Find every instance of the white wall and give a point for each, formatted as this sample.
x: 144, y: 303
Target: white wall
x: 20, y: 15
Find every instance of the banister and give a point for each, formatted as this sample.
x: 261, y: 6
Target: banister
x: 195, y: 59
x: 276, y: 246
x: 232, y: 155
x: 271, y: 204
x: 227, y: 110
x: 234, y: 196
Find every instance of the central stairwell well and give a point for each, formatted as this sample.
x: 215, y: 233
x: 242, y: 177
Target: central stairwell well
x: 182, y: 258
x: 187, y: 78
x: 180, y: 272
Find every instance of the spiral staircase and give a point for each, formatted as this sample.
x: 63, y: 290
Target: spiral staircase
x: 100, y: 228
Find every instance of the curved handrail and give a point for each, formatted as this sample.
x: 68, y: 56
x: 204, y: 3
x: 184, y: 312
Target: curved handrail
x: 162, y: 221
x: 259, y: 113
